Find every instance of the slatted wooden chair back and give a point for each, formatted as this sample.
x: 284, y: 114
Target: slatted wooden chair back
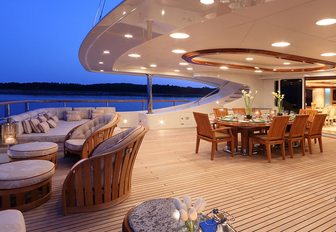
x: 317, y: 124
x: 104, y: 179
x: 99, y: 136
x: 309, y: 112
x: 277, y: 128
x: 299, y: 125
x: 240, y: 111
x: 203, y: 124
x: 220, y: 112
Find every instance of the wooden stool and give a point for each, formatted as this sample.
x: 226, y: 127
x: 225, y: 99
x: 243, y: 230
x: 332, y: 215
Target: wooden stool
x: 34, y: 150
x: 25, y: 184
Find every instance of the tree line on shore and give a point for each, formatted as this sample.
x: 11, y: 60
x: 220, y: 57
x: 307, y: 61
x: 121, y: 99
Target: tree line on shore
x: 94, y: 89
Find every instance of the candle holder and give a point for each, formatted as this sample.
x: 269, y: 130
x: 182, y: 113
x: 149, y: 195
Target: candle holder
x: 8, y: 133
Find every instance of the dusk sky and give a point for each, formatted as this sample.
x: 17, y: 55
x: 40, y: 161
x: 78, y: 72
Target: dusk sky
x: 40, y: 40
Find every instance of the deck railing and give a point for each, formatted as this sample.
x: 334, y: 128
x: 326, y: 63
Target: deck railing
x: 65, y: 103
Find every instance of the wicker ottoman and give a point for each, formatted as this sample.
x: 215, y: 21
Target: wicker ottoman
x: 34, y: 150
x: 12, y: 220
x: 25, y: 184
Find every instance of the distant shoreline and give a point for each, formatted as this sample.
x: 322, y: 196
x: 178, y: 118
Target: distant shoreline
x: 118, y: 89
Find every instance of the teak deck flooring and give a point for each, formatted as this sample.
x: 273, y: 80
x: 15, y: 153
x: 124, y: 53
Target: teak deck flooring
x: 286, y: 195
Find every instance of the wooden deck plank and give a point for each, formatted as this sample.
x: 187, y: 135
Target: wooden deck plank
x: 291, y: 194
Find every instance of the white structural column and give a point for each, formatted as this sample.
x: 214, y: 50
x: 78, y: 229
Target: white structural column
x: 149, y: 94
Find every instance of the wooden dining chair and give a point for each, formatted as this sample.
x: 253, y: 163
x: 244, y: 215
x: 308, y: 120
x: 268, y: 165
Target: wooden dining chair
x: 240, y: 111
x: 220, y: 112
x: 296, y: 133
x: 206, y: 132
x: 275, y: 135
x: 315, y: 131
x: 311, y: 114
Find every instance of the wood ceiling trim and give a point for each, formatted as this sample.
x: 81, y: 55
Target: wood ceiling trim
x: 191, y: 57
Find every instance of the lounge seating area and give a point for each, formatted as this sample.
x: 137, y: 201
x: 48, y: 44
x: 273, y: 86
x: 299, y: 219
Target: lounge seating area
x: 55, y: 123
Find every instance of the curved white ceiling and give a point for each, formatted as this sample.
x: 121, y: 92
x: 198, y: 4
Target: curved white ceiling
x: 215, y: 26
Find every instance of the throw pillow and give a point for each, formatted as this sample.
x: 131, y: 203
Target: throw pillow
x: 48, y: 115
x: 41, y: 118
x: 55, y: 118
x: 27, y: 129
x: 73, y: 115
x: 96, y: 112
x: 34, y: 125
x: 51, y: 123
x: 44, y: 127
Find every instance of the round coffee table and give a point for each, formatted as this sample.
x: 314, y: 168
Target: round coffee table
x: 34, y: 150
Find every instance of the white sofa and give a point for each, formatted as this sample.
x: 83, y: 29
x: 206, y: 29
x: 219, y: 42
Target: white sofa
x: 58, y: 134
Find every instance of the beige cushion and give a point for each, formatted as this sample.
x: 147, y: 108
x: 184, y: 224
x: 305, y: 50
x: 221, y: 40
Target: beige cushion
x: 48, y: 115
x: 73, y: 115
x: 221, y: 135
x: 12, y: 220
x: 85, y: 112
x: 34, y: 149
x: 51, y: 123
x: 117, y: 141
x: 55, y: 118
x: 74, y: 144
x: 27, y: 127
x: 44, y: 127
x: 42, y: 118
x: 34, y: 125
x: 30, y: 172
x: 96, y: 112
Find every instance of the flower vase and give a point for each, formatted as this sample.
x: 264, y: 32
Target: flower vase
x: 190, y: 226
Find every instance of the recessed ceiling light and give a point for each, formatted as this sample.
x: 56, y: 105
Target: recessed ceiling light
x: 106, y: 52
x: 224, y: 67
x: 286, y: 63
x: 163, y: 12
x: 256, y: 67
x: 207, y: 2
x: 280, y: 44
x: 124, y: 12
x: 183, y: 63
x: 153, y: 65
x: 249, y: 58
x: 100, y: 62
x: 178, y: 51
x: 179, y: 35
x: 143, y: 68
x: 101, y: 70
x: 275, y: 70
x: 189, y: 68
x: 328, y: 54
x: 128, y: 36
x: 134, y: 55
x: 326, y: 22
x: 258, y: 71
x: 176, y: 70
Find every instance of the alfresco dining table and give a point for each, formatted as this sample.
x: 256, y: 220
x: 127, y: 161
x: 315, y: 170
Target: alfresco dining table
x: 246, y: 128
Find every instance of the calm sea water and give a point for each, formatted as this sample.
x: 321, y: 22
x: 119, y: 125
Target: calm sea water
x: 19, y: 108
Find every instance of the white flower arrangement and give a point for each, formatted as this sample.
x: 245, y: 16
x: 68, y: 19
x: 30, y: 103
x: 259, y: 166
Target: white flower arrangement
x: 189, y: 212
x: 248, y: 100
x: 279, y: 97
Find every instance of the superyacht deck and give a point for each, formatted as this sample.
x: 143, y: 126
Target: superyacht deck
x: 293, y: 195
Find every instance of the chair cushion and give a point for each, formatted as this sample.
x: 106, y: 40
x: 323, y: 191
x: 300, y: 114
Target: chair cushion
x: 55, y: 118
x: 34, y: 149
x: 30, y: 172
x: 42, y: 118
x: 221, y: 135
x: 117, y: 141
x: 96, y: 112
x: 74, y: 144
x: 12, y: 220
x: 51, y: 123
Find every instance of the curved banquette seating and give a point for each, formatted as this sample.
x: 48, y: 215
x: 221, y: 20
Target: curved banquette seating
x: 82, y: 139
x: 103, y: 179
